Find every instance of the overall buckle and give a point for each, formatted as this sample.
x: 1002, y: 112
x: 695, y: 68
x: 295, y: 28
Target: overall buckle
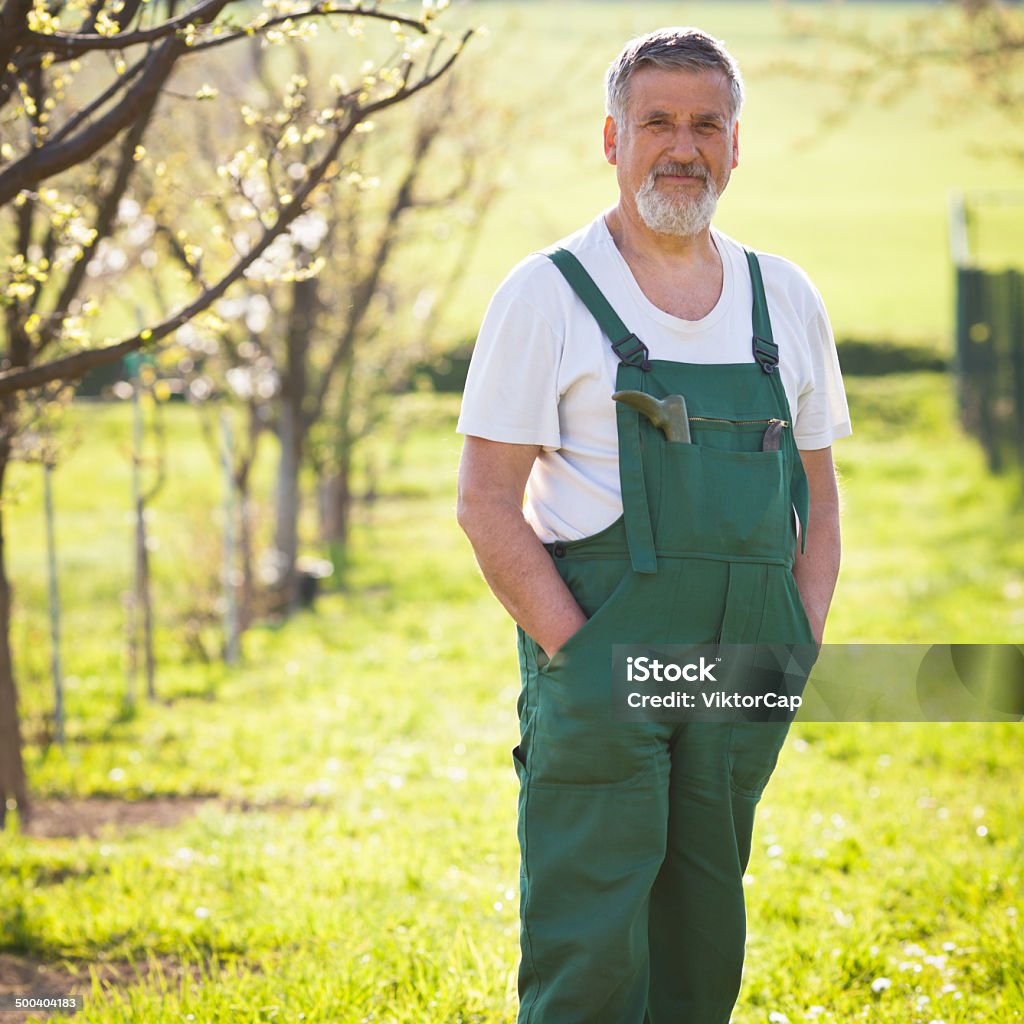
x: 637, y: 355
x: 766, y: 352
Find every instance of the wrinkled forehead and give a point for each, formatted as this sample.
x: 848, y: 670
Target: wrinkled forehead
x: 677, y: 91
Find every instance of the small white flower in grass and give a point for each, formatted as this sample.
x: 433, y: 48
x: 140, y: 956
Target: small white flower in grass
x: 775, y: 850
x: 816, y: 1011
x: 202, y: 912
x: 982, y: 830
x: 777, y: 1018
x: 880, y: 984
x: 115, y: 774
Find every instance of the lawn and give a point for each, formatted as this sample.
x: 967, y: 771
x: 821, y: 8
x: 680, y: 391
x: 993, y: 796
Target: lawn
x: 355, y: 858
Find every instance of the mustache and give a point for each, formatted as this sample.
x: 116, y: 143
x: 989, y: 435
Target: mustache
x: 692, y: 169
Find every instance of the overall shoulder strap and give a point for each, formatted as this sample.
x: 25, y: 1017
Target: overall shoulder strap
x: 625, y: 344
x: 634, y: 361
x: 766, y: 352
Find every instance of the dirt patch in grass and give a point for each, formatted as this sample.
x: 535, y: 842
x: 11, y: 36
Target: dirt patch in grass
x: 92, y: 816
x: 68, y: 819
x: 27, y: 976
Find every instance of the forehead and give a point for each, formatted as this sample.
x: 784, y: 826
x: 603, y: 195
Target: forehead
x: 678, y: 91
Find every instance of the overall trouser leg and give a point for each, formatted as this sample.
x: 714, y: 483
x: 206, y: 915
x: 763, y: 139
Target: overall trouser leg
x: 593, y: 820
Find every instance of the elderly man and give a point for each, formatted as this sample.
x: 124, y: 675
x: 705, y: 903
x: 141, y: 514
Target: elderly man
x: 635, y: 835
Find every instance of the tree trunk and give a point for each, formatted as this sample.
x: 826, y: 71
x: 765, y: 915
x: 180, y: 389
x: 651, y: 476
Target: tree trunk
x: 144, y: 598
x: 336, y: 489
x: 286, y: 533
x: 336, y: 504
x: 12, y: 770
x: 247, y: 597
x: 291, y: 433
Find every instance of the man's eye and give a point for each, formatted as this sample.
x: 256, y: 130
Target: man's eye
x: 707, y: 126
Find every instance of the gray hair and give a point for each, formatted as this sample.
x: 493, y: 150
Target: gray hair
x: 671, y: 49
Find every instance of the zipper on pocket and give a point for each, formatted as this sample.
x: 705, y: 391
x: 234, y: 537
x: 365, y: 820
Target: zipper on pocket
x: 772, y: 435
x: 719, y: 419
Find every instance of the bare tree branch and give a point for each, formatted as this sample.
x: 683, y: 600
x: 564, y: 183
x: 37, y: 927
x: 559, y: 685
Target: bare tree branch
x: 121, y: 82
x: 73, y: 366
x: 320, y: 9
x: 107, y: 211
x: 13, y: 25
x: 39, y: 164
x: 65, y: 45
x: 366, y: 287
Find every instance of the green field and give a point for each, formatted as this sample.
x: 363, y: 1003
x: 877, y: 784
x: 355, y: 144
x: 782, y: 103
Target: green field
x: 356, y: 859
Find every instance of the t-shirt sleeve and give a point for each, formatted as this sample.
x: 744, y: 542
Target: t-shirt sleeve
x: 823, y: 414
x: 512, y: 388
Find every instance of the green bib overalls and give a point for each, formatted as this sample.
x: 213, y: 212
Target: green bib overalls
x: 634, y: 836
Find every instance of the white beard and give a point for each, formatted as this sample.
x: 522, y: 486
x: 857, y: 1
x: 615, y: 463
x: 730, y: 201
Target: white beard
x: 678, y: 214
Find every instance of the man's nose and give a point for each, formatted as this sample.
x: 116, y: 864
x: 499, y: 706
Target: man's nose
x: 684, y: 143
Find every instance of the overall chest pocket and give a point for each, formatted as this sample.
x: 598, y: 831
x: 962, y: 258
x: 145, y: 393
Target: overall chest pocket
x: 722, y: 495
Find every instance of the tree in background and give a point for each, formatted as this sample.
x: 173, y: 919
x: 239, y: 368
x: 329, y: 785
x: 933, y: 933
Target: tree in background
x: 337, y: 311
x: 980, y: 43
x: 83, y: 85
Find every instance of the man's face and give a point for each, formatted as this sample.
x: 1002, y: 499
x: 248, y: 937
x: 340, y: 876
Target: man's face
x: 675, y: 149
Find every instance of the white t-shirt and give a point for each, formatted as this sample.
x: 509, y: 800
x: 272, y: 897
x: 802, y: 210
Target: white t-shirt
x: 542, y: 371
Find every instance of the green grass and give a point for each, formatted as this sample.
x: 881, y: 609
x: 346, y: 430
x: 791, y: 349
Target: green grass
x: 377, y: 875
x: 933, y: 551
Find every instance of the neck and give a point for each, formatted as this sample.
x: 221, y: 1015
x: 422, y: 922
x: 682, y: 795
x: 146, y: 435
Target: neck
x: 637, y: 242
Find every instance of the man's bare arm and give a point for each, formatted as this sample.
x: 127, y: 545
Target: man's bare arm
x: 518, y: 569
x: 817, y: 569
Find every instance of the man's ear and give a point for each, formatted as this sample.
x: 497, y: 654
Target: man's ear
x: 735, y: 145
x: 610, y: 134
